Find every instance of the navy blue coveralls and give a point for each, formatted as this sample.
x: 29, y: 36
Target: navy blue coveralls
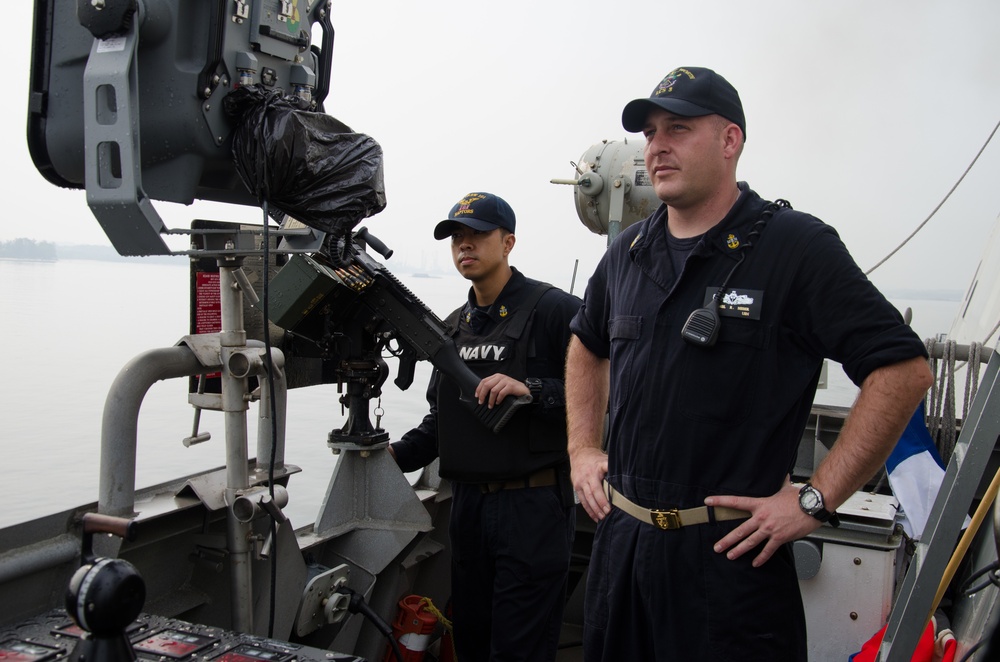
x: 511, y: 543
x: 688, y: 421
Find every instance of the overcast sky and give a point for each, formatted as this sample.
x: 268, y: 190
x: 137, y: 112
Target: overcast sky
x: 863, y: 113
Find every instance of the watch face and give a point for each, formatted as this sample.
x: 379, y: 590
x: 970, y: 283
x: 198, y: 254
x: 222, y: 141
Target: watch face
x: 810, y: 500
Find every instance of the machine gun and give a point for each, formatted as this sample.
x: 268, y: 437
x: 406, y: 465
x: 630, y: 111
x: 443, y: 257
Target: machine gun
x: 346, y: 306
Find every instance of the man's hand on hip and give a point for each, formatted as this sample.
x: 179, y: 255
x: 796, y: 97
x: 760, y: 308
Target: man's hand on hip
x: 774, y: 520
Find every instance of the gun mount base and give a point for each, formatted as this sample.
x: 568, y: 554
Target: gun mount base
x: 364, y: 380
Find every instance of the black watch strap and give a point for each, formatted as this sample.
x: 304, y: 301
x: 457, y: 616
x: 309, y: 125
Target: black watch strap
x: 812, y: 503
x: 824, y: 515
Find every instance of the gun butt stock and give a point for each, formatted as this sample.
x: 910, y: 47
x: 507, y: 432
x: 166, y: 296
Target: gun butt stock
x: 497, y: 417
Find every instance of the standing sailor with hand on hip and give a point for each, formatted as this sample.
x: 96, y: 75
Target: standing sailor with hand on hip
x: 702, y: 333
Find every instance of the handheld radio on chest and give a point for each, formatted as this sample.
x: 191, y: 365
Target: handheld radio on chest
x: 702, y: 325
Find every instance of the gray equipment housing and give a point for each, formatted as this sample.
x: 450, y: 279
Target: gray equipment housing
x: 151, y: 80
x: 612, y: 189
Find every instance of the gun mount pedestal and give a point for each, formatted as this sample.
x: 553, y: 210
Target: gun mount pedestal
x: 367, y: 490
x: 364, y: 380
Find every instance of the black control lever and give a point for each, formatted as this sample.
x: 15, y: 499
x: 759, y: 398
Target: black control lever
x: 105, y: 595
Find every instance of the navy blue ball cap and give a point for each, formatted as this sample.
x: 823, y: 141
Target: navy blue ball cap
x: 479, y: 211
x: 688, y: 92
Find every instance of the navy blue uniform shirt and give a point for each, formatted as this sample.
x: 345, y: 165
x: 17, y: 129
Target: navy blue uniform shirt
x: 689, y: 421
x: 549, y: 336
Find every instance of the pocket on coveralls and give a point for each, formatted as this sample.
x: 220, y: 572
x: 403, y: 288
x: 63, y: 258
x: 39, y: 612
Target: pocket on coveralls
x: 624, y: 333
x: 723, y: 381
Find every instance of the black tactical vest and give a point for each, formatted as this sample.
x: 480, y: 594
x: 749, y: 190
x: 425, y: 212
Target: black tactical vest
x: 471, y: 452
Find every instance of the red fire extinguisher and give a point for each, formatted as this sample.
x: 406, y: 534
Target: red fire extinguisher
x: 412, y: 629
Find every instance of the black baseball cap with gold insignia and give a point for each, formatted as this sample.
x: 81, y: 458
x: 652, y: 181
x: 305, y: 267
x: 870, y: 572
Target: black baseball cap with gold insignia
x: 688, y: 92
x: 479, y: 211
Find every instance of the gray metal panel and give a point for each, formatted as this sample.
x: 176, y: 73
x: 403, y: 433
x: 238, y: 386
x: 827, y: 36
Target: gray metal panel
x: 972, y: 453
x: 164, y: 134
x: 180, y: 159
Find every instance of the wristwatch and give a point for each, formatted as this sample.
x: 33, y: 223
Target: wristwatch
x: 811, y: 503
x: 534, y: 385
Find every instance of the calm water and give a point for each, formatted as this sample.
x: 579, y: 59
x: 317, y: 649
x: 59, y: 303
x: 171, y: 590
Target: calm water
x: 70, y: 326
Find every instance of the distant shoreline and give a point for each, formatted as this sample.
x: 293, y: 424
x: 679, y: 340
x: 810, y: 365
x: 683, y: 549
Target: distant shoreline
x: 12, y: 258
x: 29, y: 250
x: 115, y: 257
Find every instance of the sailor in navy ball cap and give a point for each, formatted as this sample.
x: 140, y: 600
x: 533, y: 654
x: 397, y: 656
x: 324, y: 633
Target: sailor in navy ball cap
x: 479, y: 211
x: 688, y: 92
x: 513, y: 513
x: 680, y: 445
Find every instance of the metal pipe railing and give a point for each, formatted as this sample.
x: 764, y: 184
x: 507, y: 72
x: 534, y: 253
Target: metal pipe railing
x: 119, y: 426
x: 237, y: 359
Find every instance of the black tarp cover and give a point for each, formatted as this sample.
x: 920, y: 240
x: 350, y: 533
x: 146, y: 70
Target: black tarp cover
x: 308, y: 165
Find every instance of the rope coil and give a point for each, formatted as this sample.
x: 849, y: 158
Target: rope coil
x: 941, y: 418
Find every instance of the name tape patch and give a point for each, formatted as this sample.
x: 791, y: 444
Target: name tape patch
x: 737, y: 302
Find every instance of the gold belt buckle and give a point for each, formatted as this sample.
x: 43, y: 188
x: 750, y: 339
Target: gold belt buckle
x: 666, y: 519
